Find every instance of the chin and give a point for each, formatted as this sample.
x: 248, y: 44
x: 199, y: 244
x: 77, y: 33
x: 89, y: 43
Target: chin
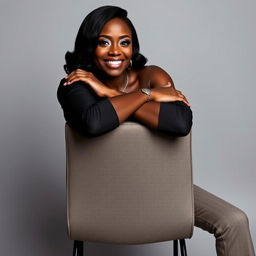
x: 115, y: 72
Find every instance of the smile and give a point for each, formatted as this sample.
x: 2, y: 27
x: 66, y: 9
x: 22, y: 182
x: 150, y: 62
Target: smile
x: 114, y: 63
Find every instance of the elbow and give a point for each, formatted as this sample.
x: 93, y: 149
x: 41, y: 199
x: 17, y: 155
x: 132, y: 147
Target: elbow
x: 184, y: 129
x: 175, y: 119
x: 91, y: 123
x: 96, y: 122
x: 185, y: 125
x: 92, y: 128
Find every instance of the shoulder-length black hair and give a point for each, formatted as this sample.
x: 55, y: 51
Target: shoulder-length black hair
x: 87, y: 38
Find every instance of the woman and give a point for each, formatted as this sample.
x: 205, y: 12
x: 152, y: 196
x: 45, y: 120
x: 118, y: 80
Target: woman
x: 108, y: 83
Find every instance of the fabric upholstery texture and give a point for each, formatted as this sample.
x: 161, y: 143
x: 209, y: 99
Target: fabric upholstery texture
x: 129, y: 186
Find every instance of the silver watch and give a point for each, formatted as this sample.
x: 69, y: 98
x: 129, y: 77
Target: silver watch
x: 148, y: 92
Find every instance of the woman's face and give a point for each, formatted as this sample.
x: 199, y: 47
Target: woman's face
x: 114, y: 49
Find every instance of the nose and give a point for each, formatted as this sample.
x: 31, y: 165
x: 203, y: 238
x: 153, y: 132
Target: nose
x: 114, y: 50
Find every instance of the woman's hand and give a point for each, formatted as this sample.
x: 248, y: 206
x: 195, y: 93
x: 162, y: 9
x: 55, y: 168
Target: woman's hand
x: 167, y: 94
x: 81, y: 75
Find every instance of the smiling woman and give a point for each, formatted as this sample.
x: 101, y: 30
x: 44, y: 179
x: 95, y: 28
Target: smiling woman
x: 114, y: 50
x: 107, y: 73
x: 108, y: 83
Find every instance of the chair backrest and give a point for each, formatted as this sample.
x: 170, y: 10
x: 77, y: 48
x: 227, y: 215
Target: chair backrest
x: 129, y: 186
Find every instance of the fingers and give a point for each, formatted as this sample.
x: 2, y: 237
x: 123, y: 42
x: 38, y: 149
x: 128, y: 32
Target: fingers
x: 187, y: 101
x: 183, y: 98
x: 77, y: 75
x: 74, y: 73
x: 73, y: 80
x: 170, y: 94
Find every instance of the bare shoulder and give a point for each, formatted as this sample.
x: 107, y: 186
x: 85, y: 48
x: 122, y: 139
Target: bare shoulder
x: 158, y: 77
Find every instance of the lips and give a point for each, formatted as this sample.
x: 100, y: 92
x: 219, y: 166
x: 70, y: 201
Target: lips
x: 114, y: 63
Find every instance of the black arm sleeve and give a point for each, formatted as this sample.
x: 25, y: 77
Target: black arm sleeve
x: 175, y: 118
x: 85, y: 111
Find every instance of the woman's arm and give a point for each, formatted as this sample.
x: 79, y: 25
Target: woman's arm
x: 85, y: 110
x: 152, y: 114
x: 92, y: 114
x: 124, y: 104
x: 148, y: 114
x: 171, y: 117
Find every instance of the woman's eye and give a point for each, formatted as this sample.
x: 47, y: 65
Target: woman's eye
x: 103, y: 43
x: 125, y: 42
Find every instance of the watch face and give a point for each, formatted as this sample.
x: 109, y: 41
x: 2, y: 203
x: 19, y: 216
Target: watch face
x: 146, y: 91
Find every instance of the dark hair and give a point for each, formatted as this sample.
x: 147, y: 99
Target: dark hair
x: 87, y: 38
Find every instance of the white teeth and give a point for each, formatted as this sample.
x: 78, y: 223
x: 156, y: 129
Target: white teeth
x: 115, y: 62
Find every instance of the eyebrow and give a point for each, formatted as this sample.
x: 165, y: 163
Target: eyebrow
x: 111, y: 36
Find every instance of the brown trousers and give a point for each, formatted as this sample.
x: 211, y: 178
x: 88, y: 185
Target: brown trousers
x: 228, y: 224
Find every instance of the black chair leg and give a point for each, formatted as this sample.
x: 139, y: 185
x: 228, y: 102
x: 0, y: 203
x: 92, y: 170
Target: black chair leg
x: 78, y: 249
x: 183, y: 249
x: 75, y: 248
x: 175, y: 248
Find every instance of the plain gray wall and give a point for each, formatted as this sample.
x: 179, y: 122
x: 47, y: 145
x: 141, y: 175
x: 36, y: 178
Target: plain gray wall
x: 208, y: 47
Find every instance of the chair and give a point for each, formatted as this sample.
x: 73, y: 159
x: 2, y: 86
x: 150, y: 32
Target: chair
x: 129, y: 186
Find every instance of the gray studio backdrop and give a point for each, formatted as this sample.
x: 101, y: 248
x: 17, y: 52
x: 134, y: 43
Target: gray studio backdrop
x: 208, y: 47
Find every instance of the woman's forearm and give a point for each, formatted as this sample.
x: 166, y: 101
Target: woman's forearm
x: 148, y: 114
x: 172, y: 117
x: 127, y: 104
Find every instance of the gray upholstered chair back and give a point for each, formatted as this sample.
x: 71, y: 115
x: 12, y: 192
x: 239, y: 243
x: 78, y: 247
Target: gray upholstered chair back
x: 129, y: 186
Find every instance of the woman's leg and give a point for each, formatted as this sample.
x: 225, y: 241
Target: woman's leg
x: 228, y: 224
